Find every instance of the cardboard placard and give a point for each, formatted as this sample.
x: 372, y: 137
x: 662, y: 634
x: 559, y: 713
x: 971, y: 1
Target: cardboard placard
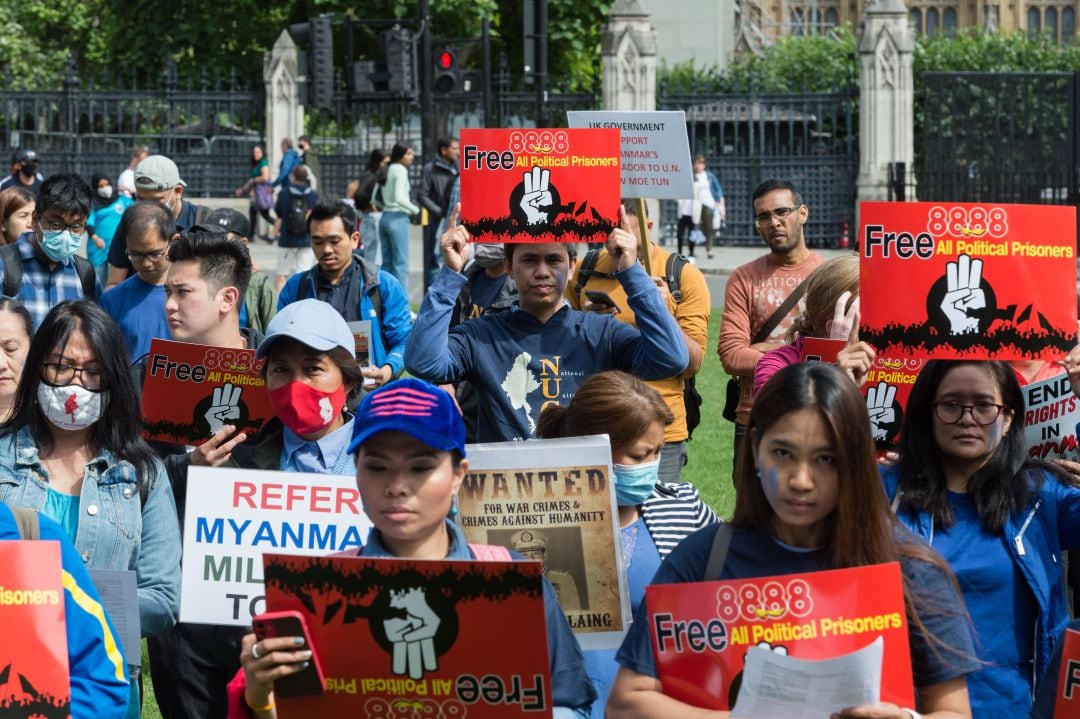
x: 34, y: 651
x: 1051, y: 412
x: 477, y: 636
x: 886, y: 389
x: 655, y: 150
x: 233, y: 516
x: 968, y: 281
x: 701, y: 631
x: 553, y: 500
x: 191, y: 391
x: 539, y: 185
x: 820, y: 349
x: 1067, y: 704
x: 361, y: 332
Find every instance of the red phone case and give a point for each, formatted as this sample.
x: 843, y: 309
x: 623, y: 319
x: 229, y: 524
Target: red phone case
x: 309, y: 680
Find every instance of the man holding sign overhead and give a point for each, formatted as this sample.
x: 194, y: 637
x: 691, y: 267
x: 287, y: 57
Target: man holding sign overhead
x: 540, y: 351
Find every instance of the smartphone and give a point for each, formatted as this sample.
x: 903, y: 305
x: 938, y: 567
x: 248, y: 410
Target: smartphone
x: 600, y: 298
x: 308, y: 681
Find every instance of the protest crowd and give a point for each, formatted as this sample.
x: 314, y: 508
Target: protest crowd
x: 144, y: 356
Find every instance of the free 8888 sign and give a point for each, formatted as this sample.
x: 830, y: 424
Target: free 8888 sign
x: 543, y: 185
x: 191, y: 391
x: 974, y: 281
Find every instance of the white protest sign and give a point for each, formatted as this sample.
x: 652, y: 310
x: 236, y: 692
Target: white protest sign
x: 655, y: 151
x: 1051, y: 412
x: 234, y: 516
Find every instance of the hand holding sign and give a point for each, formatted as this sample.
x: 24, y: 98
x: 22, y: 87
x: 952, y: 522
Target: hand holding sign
x: 857, y: 357
x: 537, y: 200
x: 454, y: 242
x: 224, y: 406
x: 413, y: 637
x: 879, y: 405
x: 963, y: 294
x: 622, y: 244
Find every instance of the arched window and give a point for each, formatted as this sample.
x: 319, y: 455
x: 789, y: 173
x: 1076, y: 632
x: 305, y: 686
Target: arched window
x: 1068, y: 25
x: 949, y: 21
x: 915, y: 17
x: 832, y: 18
x: 1034, y: 21
x: 932, y: 21
x: 1051, y: 23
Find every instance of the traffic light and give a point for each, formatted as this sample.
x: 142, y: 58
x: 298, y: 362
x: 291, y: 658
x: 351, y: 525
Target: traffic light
x: 450, y: 76
x: 399, y: 50
x: 317, y: 63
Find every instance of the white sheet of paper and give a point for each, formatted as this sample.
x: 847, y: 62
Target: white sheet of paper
x: 119, y: 592
x: 776, y: 685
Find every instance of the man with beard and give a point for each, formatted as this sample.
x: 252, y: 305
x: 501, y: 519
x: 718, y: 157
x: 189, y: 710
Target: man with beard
x: 758, y: 290
x: 24, y: 172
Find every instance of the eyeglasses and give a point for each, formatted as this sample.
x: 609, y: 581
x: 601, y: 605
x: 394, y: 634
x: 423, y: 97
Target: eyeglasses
x: 152, y: 256
x: 983, y: 413
x: 61, y: 375
x: 780, y: 213
x: 53, y: 225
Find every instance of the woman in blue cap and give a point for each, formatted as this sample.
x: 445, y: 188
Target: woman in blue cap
x: 409, y: 441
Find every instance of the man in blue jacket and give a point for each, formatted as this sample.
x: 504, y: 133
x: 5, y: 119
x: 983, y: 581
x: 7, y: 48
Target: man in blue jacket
x: 356, y: 288
x: 539, y: 352
x: 99, y: 682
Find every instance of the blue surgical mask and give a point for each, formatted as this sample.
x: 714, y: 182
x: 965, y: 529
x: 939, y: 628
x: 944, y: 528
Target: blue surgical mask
x: 58, y: 245
x: 635, y: 482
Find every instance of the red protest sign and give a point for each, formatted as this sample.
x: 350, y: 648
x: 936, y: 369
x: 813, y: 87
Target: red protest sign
x: 886, y: 389
x: 1068, y: 694
x: 35, y: 640
x: 701, y: 631
x: 819, y: 349
x: 540, y: 185
x: 968, y: 281
x: 191, y: 391
x: 417, y: 638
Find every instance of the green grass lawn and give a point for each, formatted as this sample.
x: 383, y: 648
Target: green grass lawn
x: 709, y: 467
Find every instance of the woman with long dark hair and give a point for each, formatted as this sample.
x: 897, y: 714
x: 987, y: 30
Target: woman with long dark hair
x: 965, y: 483
x: 809, y: 499
x: 72, y: 449
x: 370, y: 214
x: 393, y: 196
x: 260, y: 190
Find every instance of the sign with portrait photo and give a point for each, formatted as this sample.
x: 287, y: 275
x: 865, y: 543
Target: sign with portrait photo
x: 552, y: 500
x: 540, y: 185
x: 968, y: 281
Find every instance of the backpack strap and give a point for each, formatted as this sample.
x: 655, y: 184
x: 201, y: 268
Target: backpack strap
x: 719, y: 551
x: 587, y: 269
x: 87, y: 276
x: 491, y: 552
x: 26, y: 521
x: 12, y: 260
x: 673, y: 275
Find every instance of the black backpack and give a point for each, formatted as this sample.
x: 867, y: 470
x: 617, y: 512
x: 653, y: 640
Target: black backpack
x: 296, y: 217
x: 365, y: 192
x: 692, y: 399
x: 13, y: 272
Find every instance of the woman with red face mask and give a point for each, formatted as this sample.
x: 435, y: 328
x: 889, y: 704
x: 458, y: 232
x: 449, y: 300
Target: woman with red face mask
x: 310, y: 370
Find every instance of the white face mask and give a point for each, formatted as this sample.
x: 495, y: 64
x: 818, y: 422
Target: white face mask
x: 72, y: 407
x: 105, y: 192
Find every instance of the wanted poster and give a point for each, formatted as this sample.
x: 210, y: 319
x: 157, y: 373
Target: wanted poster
x: 887, y: 388
x: 407, y: 638
x: 539, y: 185
x: 34, y: 652
x: 701, y: 632
x: 968, y: 281
x: 553, y: 501
x: 234, y: 516
x: 1051, y: 412
x: 191, y: 391
x: 655, y: 150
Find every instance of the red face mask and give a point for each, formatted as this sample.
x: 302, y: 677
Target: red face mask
x: 306, y: 410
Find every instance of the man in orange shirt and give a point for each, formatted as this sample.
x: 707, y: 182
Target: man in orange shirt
x: 758, y: 289
x: 691, y: 312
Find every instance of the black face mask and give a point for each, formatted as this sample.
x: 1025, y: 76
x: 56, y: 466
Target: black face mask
x: 28, y: 169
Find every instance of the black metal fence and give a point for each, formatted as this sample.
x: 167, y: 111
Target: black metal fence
x: 810, y: 139
x: 91, y: 126
x: 997, y: 137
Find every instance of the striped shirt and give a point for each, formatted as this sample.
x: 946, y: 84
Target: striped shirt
x: 673, y: 512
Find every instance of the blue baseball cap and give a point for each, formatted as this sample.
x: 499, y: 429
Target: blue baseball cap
x: 312, y: 322
x: 412, y: 406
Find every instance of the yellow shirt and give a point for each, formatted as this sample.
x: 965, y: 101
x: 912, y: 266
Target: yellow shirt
x: 692, y: 315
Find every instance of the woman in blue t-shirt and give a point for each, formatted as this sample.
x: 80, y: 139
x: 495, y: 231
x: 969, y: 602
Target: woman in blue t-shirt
x: 808, y: 499
x: 1001, y: 520
x: 654, y: 516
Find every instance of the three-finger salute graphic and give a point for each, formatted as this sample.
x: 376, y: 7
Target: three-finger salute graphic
x: 537, y: 202
x: 879, y: 405
x: 224, y: 407
x: 963, y: 295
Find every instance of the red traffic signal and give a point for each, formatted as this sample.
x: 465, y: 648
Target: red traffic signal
x: 446, y: 60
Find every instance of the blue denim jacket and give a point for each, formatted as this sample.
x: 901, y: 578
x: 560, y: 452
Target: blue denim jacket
x: 113, y: 533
